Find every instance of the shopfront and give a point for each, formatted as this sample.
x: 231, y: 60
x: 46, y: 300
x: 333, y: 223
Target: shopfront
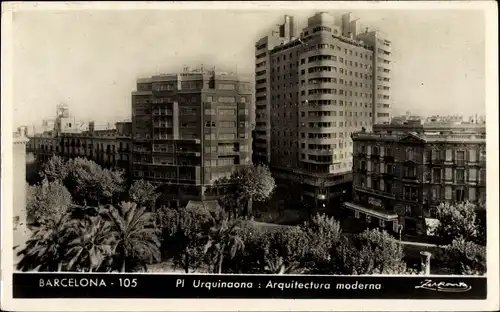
x: 374, y: 218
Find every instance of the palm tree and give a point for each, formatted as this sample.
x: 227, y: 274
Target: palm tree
x: 46, y: 249
x: 92, y: 244
x: 136, y: 237
x: 224, y: 240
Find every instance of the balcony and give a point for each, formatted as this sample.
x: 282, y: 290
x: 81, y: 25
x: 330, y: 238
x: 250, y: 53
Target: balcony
x: 324, y: 62
x: 436, y: 181
x: 410, y: 179
x: 326, y: 74
x: 410, y: 197
x: 141, y: 150
x: 448, y: 162
x: 375, y: 192
x: 164, y: 151
x: 320, y: 152
x: 188, y: 153
x: 162, y: 125
x: 163, y: 137
x: 436, y: 161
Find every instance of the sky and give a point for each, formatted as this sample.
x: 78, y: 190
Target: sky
x: 90, y: 60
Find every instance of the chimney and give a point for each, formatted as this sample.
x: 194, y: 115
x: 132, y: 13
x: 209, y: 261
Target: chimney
x: 91, y: 126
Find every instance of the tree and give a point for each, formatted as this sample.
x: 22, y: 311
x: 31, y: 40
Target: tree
x: 55, y: 169
x: 46, y: 201
x: 456, y: 221
x: 481, y: 226
x: 46, y: 249
x: 224, y: 242
x: 288, y: 247
x: 323, y: 233
x: 371, y: 252
x: 464, y: 258
x: 87, y: 181
x: 136, y: 236
x: 143, y: 193
x: 91, y: 246
x: 184, y: 231
x: 245, y: 185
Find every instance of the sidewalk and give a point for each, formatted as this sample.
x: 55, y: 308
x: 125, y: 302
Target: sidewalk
x: 420, y: 244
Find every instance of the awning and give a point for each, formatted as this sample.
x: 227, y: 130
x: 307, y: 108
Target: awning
x: 371, y: 212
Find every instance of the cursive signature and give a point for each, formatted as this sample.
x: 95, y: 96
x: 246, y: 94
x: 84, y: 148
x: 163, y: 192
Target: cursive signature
x: 444, y: 286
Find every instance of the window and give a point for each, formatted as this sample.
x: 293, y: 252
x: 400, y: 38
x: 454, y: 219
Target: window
x: 447, y: 193
x: 435, y: 154
x: 482, y: 175
x: 472, y: 156
x: 388, y: 186
x: 448, y: 174
x: 410, y: 193
x: 436, y: 175
x: 410, y: 171
x: 460, y: 176
x: 435, y: 193
x: 226, y: 112
x: 459, y: 195
x: 210, y: 136
x: 472, y: 174
x: 388, y: 152
x: 449, y: 155
x: 243, y: 112
x: 209, y: 111
x: 460, y: 158
x: 227, y: 136
x: 472, y: 193
x: 381, y: 223
x: 409, y: 153
x: 225, y: 86
x: 356, y: 214
x: 210, y: 98
x: 227, y: 99
x: 210, y: 124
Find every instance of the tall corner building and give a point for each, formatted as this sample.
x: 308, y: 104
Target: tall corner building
x: 189, y: 129
x: 313, y: 89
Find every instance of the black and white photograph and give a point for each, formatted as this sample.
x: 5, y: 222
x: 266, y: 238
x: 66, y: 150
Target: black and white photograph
x: 250, y: 151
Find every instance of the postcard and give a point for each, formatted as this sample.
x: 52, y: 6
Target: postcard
x: 250, y: 156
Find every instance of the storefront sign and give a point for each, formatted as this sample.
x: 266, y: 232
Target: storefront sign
x: 375, y: 202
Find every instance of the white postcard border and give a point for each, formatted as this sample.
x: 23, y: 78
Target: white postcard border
x: 491, y: 72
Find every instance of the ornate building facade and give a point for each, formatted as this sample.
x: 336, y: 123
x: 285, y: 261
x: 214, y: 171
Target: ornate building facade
x: 403, y: 171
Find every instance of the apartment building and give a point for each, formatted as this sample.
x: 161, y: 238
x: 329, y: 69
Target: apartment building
x: 313, y: 89
x: 403, y: 171
x: 190, y: 129
x: 106, y: 147
x: 109, y: 148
